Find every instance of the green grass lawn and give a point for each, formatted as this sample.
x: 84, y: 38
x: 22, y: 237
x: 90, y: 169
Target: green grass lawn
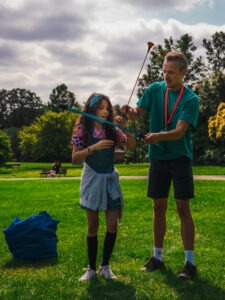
x: 32, y: 170
x: 59, y: 279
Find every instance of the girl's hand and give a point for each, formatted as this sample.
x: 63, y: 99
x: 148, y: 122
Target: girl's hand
x: 103, y: 144
x: 120, y: 121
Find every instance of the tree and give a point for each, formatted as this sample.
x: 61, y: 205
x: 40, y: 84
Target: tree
x: 216, y: 126
x: 214, y: 151
x: 211, y: 91
x: 13, y: 133
x: 5, y: 148
x: 19, y: 107
x: 3, y: 108
x: 185, y: 44
x: 215, y: 51
x: 48, y: 138
x: 61, y: 95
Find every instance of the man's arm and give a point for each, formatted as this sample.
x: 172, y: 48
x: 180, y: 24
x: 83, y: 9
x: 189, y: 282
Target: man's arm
x: 172, y: 135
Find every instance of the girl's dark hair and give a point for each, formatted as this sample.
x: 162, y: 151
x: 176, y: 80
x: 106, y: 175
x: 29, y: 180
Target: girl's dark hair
x: 88, y: 123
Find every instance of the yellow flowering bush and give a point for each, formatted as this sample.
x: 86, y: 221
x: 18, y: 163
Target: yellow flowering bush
x: 216, y: 125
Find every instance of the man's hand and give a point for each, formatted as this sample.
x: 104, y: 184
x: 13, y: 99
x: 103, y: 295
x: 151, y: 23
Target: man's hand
x: 151, y: 138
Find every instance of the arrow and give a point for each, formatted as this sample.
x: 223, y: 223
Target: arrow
x: 139, y: 135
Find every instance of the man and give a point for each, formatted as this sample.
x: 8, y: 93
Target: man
x: 173, y: 109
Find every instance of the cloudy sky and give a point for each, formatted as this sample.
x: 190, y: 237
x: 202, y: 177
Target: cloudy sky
x: 93, y: 45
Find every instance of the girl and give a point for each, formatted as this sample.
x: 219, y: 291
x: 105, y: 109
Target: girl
x: 94, y: 142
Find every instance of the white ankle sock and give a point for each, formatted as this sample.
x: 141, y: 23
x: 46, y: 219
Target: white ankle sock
x: 189, y: 256
x: 158, y: 253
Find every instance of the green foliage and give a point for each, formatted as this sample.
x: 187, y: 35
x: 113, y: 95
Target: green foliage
x: 212, y: 155
x: 216, y: 125
x: 13, y: 133
x: 211, y: 91
x: 215, y: 51
x: 3, y: 108
x: 5, y: 148
x: 19, y: 107
x: 48, y: 138
x: 61, y: 95
x: 216, y: 131
x: 154, y: 68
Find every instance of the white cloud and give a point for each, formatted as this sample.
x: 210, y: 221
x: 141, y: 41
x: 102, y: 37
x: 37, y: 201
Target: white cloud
x: 183, y: 5
x: 88, y: 45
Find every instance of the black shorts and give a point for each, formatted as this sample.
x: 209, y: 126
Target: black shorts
x: 163, y: 172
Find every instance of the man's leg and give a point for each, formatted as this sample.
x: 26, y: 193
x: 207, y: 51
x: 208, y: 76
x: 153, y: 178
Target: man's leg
x: 159, y: 221
x: 159, y: 231
x: 187, y: 227
x: 187, y: 230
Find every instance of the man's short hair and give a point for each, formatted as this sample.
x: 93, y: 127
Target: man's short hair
x: 179, y: 57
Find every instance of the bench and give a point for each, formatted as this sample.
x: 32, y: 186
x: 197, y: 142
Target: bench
x: 45, y: 172
x: 62, y: 171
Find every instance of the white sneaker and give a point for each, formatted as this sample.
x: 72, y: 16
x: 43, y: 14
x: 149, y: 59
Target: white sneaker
x: 106, y: 272
x: 89, y: 274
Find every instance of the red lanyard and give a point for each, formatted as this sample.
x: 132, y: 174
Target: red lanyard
x: 167, y: 121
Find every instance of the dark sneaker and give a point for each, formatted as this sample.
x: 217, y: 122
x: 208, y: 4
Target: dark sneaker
x: 153, y: 264
x: 189, y: 271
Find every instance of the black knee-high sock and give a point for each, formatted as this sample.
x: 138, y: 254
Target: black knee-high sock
x: 109, y: 242
x: 92, y: 244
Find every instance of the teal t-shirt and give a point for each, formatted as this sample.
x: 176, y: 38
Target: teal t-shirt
x: 152, y: 101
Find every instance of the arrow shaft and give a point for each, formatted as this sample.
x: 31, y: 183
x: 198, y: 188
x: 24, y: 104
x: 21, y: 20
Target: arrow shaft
x: 138, y: 134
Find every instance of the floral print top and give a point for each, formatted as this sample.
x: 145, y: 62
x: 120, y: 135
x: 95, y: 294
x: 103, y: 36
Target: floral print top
x: 100, y: 134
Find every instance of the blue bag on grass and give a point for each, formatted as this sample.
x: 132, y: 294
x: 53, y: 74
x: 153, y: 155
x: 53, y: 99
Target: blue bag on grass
x: 33, y: 238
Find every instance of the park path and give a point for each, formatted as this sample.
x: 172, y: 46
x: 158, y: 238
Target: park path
x: 196, y: 177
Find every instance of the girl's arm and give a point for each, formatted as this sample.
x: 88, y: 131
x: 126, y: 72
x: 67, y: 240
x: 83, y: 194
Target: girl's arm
x: 131, y: 140
x: 78, y: 154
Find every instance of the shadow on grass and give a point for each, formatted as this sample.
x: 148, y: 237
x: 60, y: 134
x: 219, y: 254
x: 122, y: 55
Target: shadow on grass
x: 18, y: 263
x: 109, y: 289
x: 196, y: 289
